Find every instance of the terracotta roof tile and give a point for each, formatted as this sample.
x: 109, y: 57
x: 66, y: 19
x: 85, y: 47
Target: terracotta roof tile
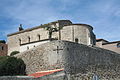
x: 43, y: 73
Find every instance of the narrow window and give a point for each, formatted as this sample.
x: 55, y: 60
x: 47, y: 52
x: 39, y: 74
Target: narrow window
x: 28, y: 38
x: 38, y: 37
x: 34, y: 45
x: 76, y: 40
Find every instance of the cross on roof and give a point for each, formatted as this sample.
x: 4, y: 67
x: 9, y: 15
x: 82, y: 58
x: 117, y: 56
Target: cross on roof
x: 58, y: 49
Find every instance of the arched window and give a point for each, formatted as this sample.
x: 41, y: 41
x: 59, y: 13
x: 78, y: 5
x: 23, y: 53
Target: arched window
x: 28, y: 38
x: 118, y: 45
x: 19, y: 41
x: 38, y: 37
x: 76, y: 40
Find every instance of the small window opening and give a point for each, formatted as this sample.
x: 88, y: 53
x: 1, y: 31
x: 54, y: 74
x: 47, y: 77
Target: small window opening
x: 76, y: 40
x: 27, y: 47
x: 28, y: 38
x: 2, y: 48
x: 38, y: 37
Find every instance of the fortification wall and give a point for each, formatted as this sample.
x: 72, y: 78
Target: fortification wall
x: 74, y: 58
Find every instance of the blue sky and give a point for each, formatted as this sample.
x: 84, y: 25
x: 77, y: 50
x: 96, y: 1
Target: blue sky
x: 103, y: 15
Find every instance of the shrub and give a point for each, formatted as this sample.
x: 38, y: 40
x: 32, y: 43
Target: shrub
x: 11, y: 66
x: 2, y: 41
x: 14, y: 53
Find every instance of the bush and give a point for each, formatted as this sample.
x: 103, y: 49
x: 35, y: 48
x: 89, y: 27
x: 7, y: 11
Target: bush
x: 11, y: 66
x: 2, y: 41
x: 14, y: 53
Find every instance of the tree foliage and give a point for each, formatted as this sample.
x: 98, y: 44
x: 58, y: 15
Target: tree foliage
x: 50, y: 29
x: 14, y: 53
x: 11, y: 66
x: 2, y: 41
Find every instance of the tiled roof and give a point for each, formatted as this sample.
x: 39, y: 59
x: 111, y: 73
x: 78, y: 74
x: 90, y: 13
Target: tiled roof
x: 43, y: 73
x: 101, y: 40
x: 111, y: 42
x: 37, y: 27
x: 107, y: 42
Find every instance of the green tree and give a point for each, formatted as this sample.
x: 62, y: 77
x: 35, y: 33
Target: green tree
x: 2, y: 41
x: 14, y: 53
x: 50, y: 29
x: 11, y: 66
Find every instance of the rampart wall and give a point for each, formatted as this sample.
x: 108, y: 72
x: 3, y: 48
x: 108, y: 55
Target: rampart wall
x: 74, y: 58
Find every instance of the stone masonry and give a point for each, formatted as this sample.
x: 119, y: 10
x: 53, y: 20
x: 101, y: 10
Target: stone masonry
x: 3, y: 49
x: 76, y: 59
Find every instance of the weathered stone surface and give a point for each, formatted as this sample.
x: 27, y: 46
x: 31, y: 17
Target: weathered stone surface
x: 74, y: 58
x: 60, y: 76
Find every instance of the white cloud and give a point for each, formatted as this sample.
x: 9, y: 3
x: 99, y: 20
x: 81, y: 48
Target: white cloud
x: 35, y: 12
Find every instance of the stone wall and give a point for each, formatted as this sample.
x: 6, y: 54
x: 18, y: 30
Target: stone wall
x: 32, y: 45
x: 74, y: 58
x: 3, y: 49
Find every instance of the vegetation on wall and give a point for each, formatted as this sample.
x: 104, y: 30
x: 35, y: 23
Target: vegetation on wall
x: 14, y: 53
x: 50, y: 29
x: 11, y: 66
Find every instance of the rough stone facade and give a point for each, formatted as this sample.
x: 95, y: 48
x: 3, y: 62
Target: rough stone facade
x: 3, y: 49
x: 76, y: 59
x: 29, y: 38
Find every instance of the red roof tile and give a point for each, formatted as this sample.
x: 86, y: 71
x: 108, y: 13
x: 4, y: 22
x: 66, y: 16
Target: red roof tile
x: 43, y: 73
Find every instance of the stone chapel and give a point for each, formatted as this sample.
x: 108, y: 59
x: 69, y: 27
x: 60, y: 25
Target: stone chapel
x: 29, y: 38
x: 70, y: 48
